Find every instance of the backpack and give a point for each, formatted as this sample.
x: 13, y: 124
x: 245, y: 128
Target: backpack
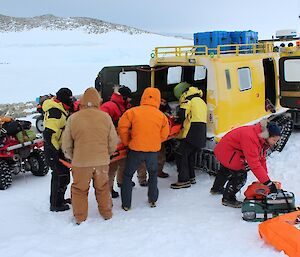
x: 14, y: 126
x: 26, y: 135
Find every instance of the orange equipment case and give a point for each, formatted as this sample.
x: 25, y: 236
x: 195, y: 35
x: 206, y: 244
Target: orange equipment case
x: 283, y: 232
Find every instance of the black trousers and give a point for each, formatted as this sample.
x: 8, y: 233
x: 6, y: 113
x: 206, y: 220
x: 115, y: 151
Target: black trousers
x: 185, y: 160
x: 235, y: 181
x: 134, y: 159
x: 60, y: 177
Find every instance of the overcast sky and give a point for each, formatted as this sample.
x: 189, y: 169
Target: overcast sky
x: 174, y: 16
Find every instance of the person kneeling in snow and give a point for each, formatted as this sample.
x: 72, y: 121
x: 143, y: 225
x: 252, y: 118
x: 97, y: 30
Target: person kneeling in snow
x: 242, y: 147
x: 88, y: 140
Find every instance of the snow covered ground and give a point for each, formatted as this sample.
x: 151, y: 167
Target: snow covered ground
x: 186, y: 223
x: 39, y: 62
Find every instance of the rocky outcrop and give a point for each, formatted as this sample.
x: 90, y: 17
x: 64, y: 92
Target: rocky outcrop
x: 18, y: 110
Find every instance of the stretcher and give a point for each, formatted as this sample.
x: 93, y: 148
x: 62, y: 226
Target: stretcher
x: 119, y: 154
x: 283, y: 232
x: 121, y: 151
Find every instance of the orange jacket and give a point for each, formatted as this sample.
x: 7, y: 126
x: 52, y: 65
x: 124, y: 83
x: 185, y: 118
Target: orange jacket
x: 144, y: 127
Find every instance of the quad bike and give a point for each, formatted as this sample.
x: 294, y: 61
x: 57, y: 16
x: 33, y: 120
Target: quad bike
x: 39, y: 123
x: 16, y: 157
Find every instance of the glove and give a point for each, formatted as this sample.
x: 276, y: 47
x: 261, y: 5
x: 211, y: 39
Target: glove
x: 53, y: 158
x: 272, y: 186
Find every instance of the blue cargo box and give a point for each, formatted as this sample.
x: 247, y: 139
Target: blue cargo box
x: 244, y: 37
x: 212, y: 39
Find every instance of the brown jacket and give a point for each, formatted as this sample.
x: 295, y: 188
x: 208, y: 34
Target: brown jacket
x: 90, y: 136
x: 144, y: 127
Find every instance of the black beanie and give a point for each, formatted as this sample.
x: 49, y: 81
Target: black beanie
x: 274, y: 129
x: 125, y: 92
x: 64, y: 95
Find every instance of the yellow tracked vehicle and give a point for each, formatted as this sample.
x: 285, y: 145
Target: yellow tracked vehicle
x: 241, y: 84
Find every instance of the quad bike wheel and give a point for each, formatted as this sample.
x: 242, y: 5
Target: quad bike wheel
x: 37, y: 163
x: 39, y: 123
x: 5, y: 175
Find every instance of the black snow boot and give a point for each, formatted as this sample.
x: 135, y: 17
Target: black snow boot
x: 180, y: 185
x: 68, y: 201
x: 193, y: 181
x: 232, y: 203
x: 218, y: 191
x: 152, y: 204
x: 63, y: 207
x: 114, y: 194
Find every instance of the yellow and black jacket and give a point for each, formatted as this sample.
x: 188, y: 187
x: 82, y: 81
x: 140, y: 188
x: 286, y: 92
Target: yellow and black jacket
x: 193, y: 114
x: 54, y: 122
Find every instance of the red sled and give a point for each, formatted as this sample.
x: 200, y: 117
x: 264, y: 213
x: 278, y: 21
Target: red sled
x: 283, y: 232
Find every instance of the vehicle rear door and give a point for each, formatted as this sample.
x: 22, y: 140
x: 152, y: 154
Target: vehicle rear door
x: 289, y: 81
x: 136, y: 77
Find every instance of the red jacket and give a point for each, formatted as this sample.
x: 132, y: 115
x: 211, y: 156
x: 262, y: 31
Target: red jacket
x: 115, y: 107
x: 244, y: 143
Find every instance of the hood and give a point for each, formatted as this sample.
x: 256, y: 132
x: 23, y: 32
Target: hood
x: 151, y: 96
x: 193, y: 91
x: 115, y: 97
x: 90, y: 98
x: 52, y: 103
x: 264, y: 130
x: 190, y: 93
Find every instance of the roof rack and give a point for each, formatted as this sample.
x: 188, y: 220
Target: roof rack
x: 236, y: 49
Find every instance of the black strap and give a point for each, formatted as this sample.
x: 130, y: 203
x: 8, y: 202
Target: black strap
x: 286, y: 200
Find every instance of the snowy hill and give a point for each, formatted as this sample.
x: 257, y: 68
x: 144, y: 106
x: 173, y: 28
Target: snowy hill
x: 36, y: 60
x: 51, y: 22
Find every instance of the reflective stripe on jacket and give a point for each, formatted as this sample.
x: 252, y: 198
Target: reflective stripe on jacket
x: 55, y: 119
x: 195, y: 111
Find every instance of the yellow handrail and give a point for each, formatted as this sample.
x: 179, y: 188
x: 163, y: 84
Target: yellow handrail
x: 237, y: 49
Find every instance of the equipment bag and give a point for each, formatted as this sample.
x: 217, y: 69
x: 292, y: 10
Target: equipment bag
x: 261, y: 209
x: 26, y: 135
x: 12, y: 127
x: 15, y: 126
